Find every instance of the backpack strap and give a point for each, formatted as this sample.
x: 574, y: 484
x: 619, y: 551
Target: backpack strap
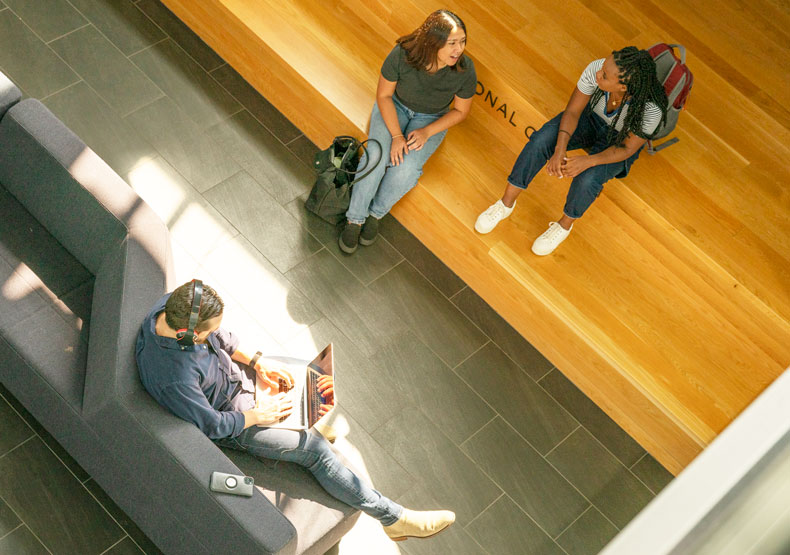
x: 677, y: 77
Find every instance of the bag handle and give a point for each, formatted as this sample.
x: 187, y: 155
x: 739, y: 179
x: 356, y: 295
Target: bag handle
x: 367, y: 160
x: 355, y: 145
x: 682, y: 51
x: 352, y: 148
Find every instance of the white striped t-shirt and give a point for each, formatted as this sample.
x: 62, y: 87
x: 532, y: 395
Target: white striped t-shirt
x: 587, y: 85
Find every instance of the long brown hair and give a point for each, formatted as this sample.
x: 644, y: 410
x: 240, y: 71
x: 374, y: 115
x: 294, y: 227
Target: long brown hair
x: 422, y: 45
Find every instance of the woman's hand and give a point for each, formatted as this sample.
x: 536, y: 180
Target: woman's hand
x: 417, y: 139
x: 272, y: 376
x: 575, y: 165
x: 554, y: 166
x: 398, y: 150
x: 272, y: 410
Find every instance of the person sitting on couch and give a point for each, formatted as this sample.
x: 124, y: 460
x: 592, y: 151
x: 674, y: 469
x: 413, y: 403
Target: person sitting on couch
x: 203, y: 384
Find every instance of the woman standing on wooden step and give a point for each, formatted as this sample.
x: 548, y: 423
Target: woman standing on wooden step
x: 422, y: 76
x: 616, y: 106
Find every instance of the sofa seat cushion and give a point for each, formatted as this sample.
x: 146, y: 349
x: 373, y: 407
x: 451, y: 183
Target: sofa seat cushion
x: 18, y: 299
x: 54, y: 349
x: 45, y: 300
x: 23, y: 240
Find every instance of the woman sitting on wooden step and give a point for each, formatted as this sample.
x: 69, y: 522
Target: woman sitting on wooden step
x: 422, y: 76
x: 616, y: 106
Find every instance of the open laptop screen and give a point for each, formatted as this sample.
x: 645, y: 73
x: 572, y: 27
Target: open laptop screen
x: 306, y: 397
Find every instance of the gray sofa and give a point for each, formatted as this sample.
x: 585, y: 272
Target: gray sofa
x: 82, y: 259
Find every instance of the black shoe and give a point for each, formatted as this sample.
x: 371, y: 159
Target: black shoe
x: 349, y: 238
x: 369, y: 231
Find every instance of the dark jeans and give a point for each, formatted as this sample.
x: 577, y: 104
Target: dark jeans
x: 590, y: 134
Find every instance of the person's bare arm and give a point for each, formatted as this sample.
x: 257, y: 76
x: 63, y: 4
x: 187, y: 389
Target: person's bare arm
x: 384, y: 93
x: 568, y: 123
x: 461, y: 106
x: 268, y: 370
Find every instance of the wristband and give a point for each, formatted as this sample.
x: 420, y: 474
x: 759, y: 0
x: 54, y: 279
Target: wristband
x: 254, y: 360
x: 396, y: 136
x: 563, y: 131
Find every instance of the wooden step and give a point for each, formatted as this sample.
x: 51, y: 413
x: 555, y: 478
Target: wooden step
x: 669, y: 305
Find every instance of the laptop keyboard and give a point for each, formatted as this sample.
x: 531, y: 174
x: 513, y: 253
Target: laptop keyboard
x: 315, y: 399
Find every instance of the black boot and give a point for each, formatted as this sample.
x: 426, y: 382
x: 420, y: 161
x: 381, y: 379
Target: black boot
x: 349, y: 238
x: 369, y: 231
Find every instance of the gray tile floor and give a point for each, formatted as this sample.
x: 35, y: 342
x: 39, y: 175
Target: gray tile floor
x: 446, y: 404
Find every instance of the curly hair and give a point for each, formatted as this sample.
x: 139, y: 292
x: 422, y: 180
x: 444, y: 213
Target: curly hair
x: 422, y: 45
x: 638, y: 74
x: 179, y: 306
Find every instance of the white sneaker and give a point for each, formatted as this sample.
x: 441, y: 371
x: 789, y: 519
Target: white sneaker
x: 550, y: 240
x: 492, y: 216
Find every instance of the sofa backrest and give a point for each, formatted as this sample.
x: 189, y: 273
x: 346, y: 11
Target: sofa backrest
x: 53, y: 174
x: 103, y: 223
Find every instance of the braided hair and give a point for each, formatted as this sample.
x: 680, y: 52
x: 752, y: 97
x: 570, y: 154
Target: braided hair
x: 638, y: 74
x: 422, y: 45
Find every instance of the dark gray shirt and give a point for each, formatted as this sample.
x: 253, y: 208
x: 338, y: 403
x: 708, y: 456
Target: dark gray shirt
x: 428, y: 93
x: 199, y: 383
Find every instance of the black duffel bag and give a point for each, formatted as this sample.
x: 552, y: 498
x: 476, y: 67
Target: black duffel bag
x: 337, y: 172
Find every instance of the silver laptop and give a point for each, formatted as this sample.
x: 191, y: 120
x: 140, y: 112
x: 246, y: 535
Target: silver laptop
x: 306, y: 398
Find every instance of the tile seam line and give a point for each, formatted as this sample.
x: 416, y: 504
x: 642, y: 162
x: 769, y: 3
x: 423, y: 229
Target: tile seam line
x: 582, y: 425
x: 82, y: 79
x: 587, y: 510
x: 168, y: 35
x: 14, y: 448
x: 15, y: 528
x: 501, y: 495
x: 571, y: 484
x: 88, y: 23
x: 50, y: 95
x: 106, y: 551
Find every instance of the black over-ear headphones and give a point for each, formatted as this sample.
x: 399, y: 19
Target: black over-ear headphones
x: 187, y: 336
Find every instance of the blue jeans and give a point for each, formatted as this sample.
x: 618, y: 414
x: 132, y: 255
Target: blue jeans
x: 591, y: 133
x: 312, y: 451
x: 378, y: 192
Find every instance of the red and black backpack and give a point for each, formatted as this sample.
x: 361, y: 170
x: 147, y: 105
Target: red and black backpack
x: 677, y: 80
